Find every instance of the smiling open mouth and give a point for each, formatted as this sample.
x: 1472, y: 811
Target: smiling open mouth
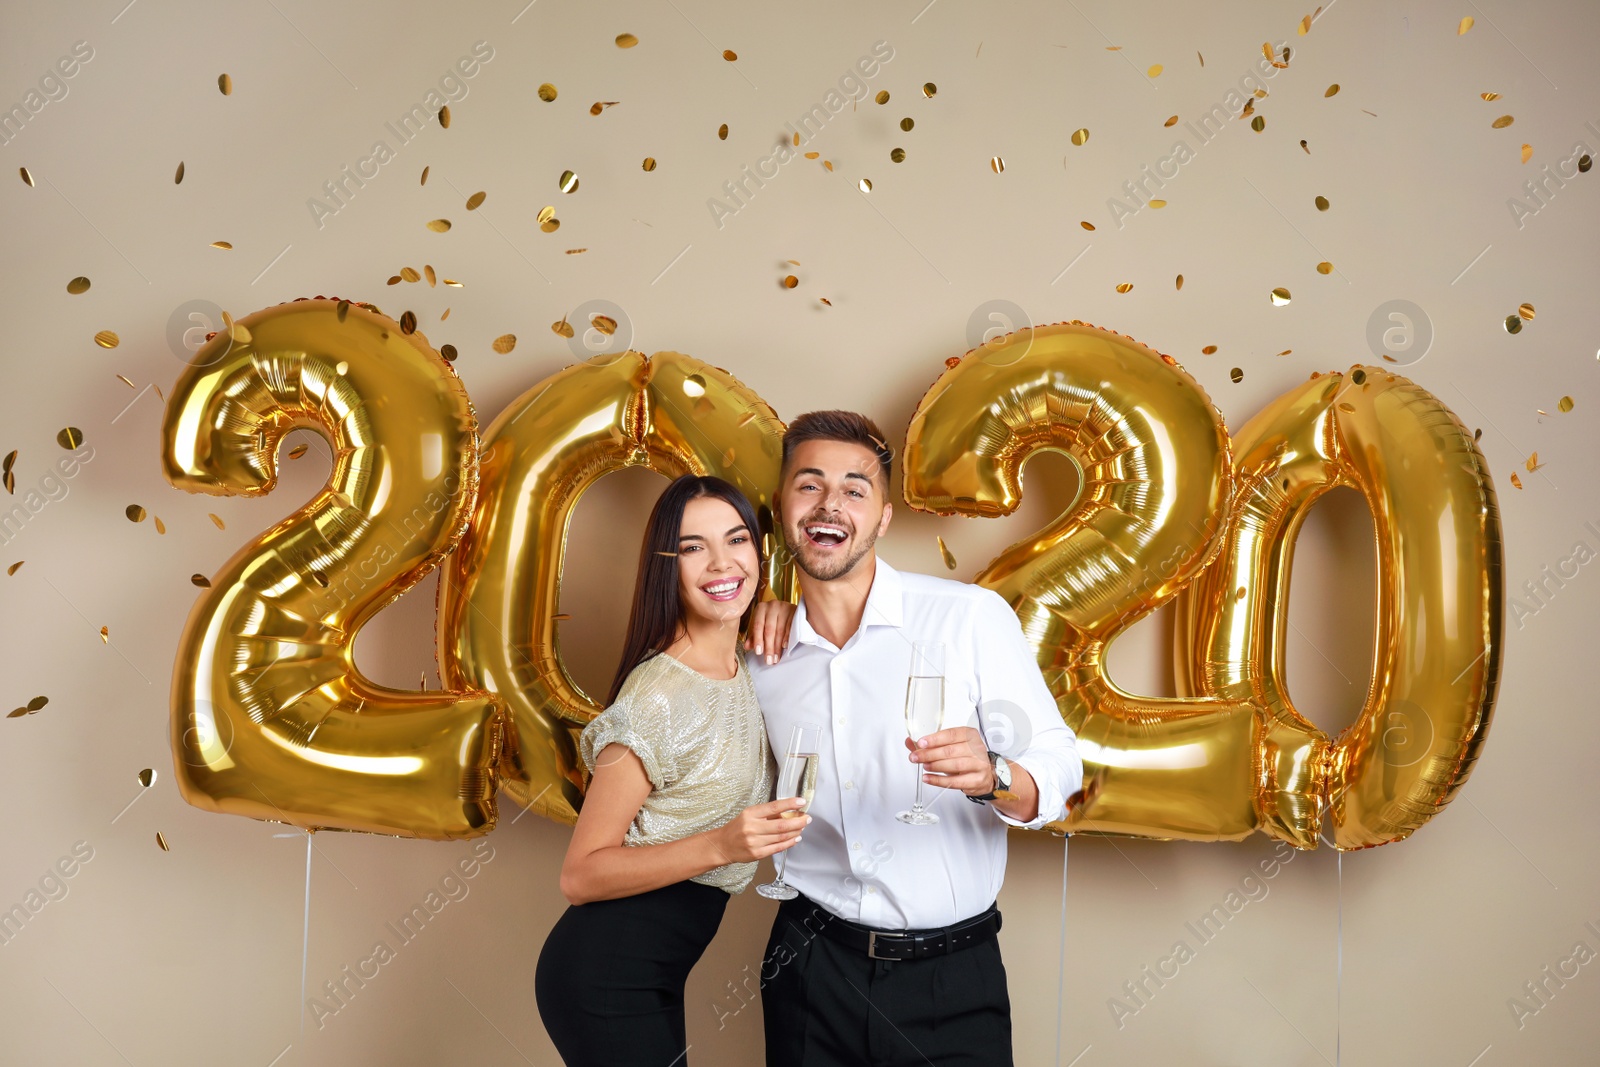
x: 826, y: 535
x: 723, y: 590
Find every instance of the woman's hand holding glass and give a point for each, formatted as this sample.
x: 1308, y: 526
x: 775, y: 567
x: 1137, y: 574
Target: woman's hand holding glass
x: 760, y: 831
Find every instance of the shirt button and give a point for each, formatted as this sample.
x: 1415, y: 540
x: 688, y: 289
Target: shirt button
x: 841, y: 720
x: 872, y: 889
x: 850, y: 785
x: 856, y: 845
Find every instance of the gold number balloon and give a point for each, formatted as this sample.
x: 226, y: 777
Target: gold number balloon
x: 1154, y: 506
x: 499, y: 593
x: 270, y: 717
x: 1439, y: 600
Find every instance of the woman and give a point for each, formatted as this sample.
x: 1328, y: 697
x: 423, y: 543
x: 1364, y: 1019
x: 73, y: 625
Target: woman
x: 676, y: 813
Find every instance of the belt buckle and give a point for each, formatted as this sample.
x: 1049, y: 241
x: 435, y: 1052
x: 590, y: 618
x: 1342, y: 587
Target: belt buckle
x: 872, y: 945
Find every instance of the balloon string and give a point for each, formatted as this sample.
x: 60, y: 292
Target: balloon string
x: 305, y: 937
x: 1061, y: 969
x: 1338, y: 1023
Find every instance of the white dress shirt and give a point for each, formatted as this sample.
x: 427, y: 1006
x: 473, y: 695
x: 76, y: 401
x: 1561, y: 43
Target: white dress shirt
x: 857, y: 859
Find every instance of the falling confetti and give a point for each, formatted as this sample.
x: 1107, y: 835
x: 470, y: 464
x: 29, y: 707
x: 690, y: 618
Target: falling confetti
x: 1331, y: 90
x: 1515, y: 480
x: 134, y: 512
x: 105, y: 635
x: 1466, y: 24
x: 1324, y: 267
x: 474, y: 202
x: 1525, y: 311
x: 201, y: 580
x: 1155, y: 71
x: 626, y: 40
x: 730, y: 55
x: 504, y: 343
x: 1158, y: 204
x: 1564, y: 405
x: 1322, y: 203
x: 1236, y: 375
x: 1502, y: 122
x: 449, y: 353
x: 30, y: 707
x: 216, y: 520
x: 1280, y: 296
x: 147, y: 777
x: 944, y: 551
x: 897, y: 155
x: 1533, y: 463
x: 1527, y: 152
x: 408, y: 322
x: 71, y: 437
x: 1086, y: 224
x: 177, y: 179
x: 444, y: 116
x: 550, y: 225
x: 225, y: 84
x: 15, y: 567
x: 866, y: 185
x: 26, y: 176
x: 604, y: 323
x: 906, y: 124
x: 162, y: 841
x: 997, y: 164
x: 928, y: 89
x: 562, y: 328
x: 649, y: 163
x: 1080, y: 136
x: 790, y: 281
x: 722, y: 132
x: 568, y: 182
x: 78, y: 285
x: 299, y: 450
x: 1125, y: 287
x: 1513, y: 324
x: 1179, y: 282
x: 439, y: 226
x: 226, y: 246
x: 424, y: 180
x: 427, y: 272
x: 547, y: 92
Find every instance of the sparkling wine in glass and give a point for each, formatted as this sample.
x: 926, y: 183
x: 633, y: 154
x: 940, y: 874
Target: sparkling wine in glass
x: 924, y: 714
x: 797, y: 777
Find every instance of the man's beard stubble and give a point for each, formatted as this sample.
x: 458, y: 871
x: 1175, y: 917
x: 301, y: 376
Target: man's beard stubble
x: 842, y: 568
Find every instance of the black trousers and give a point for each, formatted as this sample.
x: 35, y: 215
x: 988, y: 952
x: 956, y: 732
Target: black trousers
x: 827, y: 1005
x: 610, y: 978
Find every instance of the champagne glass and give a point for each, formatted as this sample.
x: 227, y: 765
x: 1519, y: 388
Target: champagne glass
x: 796, y: 778
x: 924, y: 714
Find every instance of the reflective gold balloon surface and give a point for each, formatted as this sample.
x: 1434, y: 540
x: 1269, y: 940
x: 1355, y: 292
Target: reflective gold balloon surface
x: 499, y: 592
x: 1152, y: 456
x: 1439, y: 601
x: 270, y: 717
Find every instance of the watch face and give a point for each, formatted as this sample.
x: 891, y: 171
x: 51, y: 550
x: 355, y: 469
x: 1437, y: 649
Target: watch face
x: 1002, y: 772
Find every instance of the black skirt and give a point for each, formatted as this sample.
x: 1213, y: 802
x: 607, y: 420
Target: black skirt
x: 610, y: 978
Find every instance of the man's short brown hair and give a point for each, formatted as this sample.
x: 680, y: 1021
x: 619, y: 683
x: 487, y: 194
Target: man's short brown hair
x: 846, y: 426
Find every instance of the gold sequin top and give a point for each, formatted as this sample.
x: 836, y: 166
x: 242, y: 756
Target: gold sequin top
x: 703, y: 746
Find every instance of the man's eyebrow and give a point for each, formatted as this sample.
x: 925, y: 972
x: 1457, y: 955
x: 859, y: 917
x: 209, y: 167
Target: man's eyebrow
x: 823, y: 474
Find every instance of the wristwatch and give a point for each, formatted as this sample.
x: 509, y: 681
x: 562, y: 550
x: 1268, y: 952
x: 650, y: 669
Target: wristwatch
x: 1002, y: 779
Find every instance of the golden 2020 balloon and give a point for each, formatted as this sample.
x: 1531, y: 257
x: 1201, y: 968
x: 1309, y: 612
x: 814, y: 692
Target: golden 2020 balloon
x: 270, y: 717
x: 499, y: 592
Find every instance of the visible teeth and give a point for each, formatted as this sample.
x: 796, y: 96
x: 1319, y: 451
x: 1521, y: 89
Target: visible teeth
x: 721, y: 587
x: 834, y: 530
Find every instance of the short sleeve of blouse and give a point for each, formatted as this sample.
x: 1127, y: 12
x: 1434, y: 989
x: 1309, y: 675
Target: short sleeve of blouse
x: 640, y: 720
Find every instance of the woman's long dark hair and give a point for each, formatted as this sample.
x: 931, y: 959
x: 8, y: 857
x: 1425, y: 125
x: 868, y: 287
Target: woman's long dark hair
x: 657, y: 615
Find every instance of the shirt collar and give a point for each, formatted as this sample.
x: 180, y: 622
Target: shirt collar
x: 885, y: 606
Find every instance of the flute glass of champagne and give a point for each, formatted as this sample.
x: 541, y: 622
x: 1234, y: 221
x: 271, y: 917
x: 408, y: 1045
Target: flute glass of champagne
x: 797, y: 777
x: 924, y: 713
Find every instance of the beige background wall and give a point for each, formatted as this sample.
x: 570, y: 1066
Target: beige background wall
x: 194, y: 955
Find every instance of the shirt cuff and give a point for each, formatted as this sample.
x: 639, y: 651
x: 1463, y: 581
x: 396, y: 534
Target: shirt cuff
x: 1052, y: 794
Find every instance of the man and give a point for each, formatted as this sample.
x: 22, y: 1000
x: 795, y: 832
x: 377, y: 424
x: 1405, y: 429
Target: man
x: 889, y: 956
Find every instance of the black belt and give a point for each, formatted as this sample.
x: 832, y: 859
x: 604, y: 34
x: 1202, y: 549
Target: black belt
x: 909, y: 944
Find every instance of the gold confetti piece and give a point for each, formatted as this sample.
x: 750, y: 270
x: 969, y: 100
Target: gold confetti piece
x: 1086, y: 224
x: 505, y: 343
x: 225, y: 84
x: 997, y: 164
x: 1158, y: 204
x: 425, y: 175
x: 562, y: 328
x: 1527, y: 152
x: 1584, y: 163
x: 177, y: 178
x: 601, y: 105
x: 216, y: 520
x: 408, y: 322
x: 1305, y: 148
x: 730, y: 55
x: 226, y: 246
x: 792, y: 262
x: 1113, y: 48
x: 452, y: 283
x: 71, y: 437
x: 604, y: 323
x: 866, y: 184
x: 1515, y: 480
x: 797, y: 140
x: 882, y: 97
x: 1305, y: 26
x: 1179, y: 282
x: 134, y: 512
x: 813, y: 155
x: 105, y: 635
x: 449, y: 353
x: 694, y: 385
x: 945, y: 553
x: 78, y: 285
x: 568, y: 182
x: 1289, y: 351
x: 828, y: 166
x: 1490, y: 96
x: 547, y: 213
x: 1258, y: 123
x: 162, y: 842
x: 26, y: 176
x: 1533, y: 463
x: 1209, y: 350
x: 14, y: 567
x: 1502, y: 122
x: 1322, y: 203
x: 444, y: 116
x: 1236, y: 375
x: 107, y: 339
x: 1525, y: 310
x: 427, y: 272
x: 1155, y: 71
x: 550, y: 225
x: 547, y: 92
x: 1564, y: 405
x: 126, y: 380
x: 825, y: 300
x: 1280, y: 296
x: 1080, y: 136
x: 1202, y: 58
x: 1513, y: 324
x: 298, y: 450
x: 30, y: 707
x: 1266, y: 49
x: 928, y: 89
x: 1125, y: 287
x: 201, y: 580
x: 790, y: 281
x: 1332, y: 89
x: 476, y: 200
x: 626, y: 40
x: 1324, y: 267
x: 11, y: 457
x: 906, y: 124
x: 439, y: 225
x: 722, y: 132
x: 147, y: 777
x: 1466, y: 24
x: 897, y: 155
x: 1173, y: 121
x: 650, y: 163
x: 394, y: 280
x: 576, y: 251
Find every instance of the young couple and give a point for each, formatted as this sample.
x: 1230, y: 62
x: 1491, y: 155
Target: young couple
x: 889, y: 955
